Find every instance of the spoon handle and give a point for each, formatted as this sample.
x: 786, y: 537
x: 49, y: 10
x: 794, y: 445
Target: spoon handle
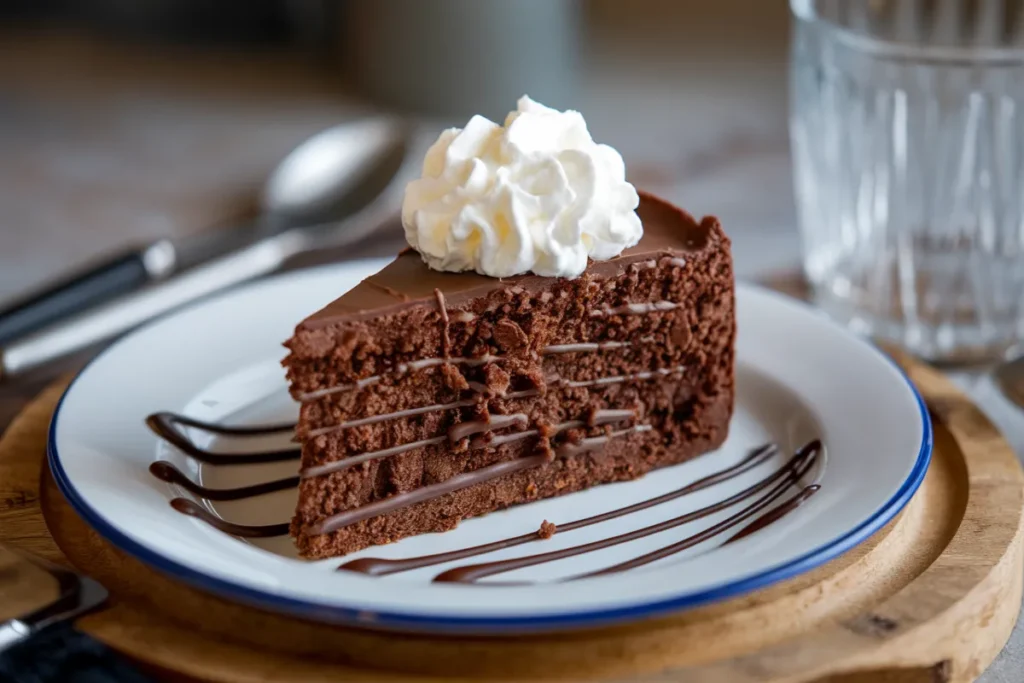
x: 119, y: 275
x: 112, y: 319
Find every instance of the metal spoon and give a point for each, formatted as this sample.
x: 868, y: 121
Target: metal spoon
x: 332, y: 190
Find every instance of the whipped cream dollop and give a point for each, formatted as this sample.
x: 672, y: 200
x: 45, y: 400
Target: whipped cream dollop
x: 535, y: 195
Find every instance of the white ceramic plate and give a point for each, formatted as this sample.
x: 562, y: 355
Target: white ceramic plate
x: 799, y: 377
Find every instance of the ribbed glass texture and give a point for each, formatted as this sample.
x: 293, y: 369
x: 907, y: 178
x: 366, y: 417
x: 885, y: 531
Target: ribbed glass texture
x: 908, y: 150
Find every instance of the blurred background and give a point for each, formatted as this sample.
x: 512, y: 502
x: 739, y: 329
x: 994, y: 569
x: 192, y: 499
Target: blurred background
x: 126, y: 121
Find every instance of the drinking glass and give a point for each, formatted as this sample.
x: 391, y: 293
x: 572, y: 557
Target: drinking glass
x: 907, y: 128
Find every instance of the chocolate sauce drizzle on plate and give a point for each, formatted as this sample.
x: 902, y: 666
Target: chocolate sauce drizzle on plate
x: 165, y: 471
x: 756, y: 514
x: 168, y: 426
x: 193, y: 509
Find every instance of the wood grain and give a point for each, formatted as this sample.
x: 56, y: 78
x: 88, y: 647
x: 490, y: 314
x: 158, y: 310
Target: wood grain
x: 932, y: 597
x: 23, y: 586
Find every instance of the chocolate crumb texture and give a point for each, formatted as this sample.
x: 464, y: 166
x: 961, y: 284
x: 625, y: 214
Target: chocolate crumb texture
x: 546, y: 530
x: 597, y: 379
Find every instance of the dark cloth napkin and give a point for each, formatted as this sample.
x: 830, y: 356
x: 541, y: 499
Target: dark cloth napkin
x: 60, y: 654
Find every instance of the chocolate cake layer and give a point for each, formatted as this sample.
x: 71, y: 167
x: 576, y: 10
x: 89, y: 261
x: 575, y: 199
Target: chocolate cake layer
x: 431, y: 397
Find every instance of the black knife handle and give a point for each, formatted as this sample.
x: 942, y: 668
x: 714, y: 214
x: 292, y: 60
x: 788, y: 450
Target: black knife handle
x: 119, y: 275
x: 61, y: 654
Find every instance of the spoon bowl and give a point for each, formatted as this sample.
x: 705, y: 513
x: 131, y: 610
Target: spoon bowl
x: 312, y: 182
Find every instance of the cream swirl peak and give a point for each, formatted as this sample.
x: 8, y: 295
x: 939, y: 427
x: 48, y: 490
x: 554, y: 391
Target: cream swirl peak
x: 535, y: 195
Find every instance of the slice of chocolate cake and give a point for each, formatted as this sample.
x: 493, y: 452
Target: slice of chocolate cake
x: 429, y: 397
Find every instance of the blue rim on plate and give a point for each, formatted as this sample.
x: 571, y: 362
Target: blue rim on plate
x: 397, y: 621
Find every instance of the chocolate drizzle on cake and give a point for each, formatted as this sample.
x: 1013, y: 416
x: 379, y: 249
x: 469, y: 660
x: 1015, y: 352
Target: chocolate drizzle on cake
x: 446, y: 342
x: 413, y: 366
x: 594, y: 443
x: 600, y: 417
x: 408, y: 412
x: 557, y: 382
x: 584, y: 346
x: 635, y: 309
x: 464, y: 429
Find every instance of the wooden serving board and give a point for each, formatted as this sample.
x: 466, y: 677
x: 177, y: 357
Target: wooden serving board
x: 930, y: 598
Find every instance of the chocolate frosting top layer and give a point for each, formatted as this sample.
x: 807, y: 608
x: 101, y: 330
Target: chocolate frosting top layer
x: 408, y: 281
